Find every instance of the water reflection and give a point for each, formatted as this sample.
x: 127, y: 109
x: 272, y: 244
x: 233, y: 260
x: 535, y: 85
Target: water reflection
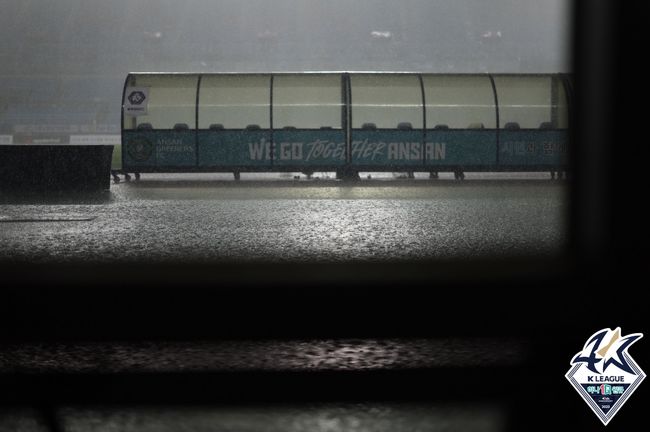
x: 270, y: 355
x: 348, y: 417
x: 163, y: 219
x: 363, y: 417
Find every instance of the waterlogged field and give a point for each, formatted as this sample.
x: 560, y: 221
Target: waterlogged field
x: 276, y: 217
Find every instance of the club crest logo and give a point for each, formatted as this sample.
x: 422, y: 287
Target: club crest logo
x: 140, y: 149
x: 604, y: 373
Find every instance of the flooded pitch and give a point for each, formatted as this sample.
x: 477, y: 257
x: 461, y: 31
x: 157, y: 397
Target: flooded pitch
x: 206, y: 217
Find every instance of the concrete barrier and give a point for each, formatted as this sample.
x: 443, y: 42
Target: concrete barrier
x: 56, y: 167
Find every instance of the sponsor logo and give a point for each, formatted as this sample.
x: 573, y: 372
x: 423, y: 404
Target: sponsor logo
x: 137, y: 97
x: 136, y: 101
x: 604, y: 374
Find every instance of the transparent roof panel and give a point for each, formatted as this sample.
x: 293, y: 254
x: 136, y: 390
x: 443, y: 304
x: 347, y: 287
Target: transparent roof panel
x: 561, y: 115
x: 235, y: 101
x: 459, y: 102
x: 307, y: 101
x: 386, y: 100
x: 531, y: 101
x: 170, y: 101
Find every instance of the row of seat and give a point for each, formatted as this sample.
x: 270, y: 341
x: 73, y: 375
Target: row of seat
x: 515, y: 125
x: 218, y: 126
x: 365, y: 126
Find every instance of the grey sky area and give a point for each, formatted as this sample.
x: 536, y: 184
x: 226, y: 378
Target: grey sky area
x: 72, y: 55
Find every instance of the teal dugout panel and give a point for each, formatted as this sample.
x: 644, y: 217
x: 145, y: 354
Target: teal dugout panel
x: 308, y: 148
x: 386, y: 147
x: 158, y: 149
x: 533, y: 147
x: 460, y: 147
x: 225, y: 148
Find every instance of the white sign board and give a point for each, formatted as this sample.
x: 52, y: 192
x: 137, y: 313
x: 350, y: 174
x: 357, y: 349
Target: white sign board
x: 136, y: 100
x: 6, y: 139
x: 95, y: 139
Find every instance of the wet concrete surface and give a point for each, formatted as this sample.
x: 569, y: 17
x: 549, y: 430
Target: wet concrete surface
x: 209, y: 217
